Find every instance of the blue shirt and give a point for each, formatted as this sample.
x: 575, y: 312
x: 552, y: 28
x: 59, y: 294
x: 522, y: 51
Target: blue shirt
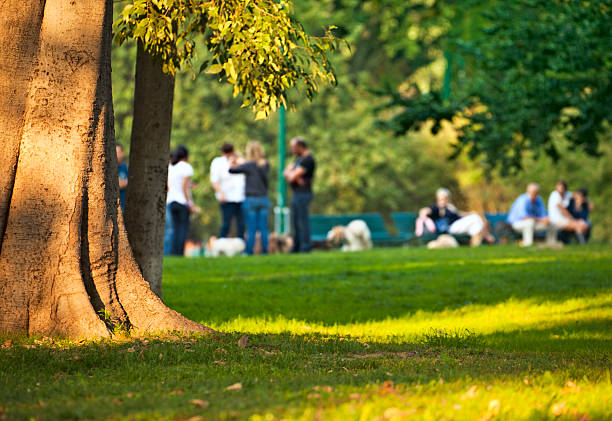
x: 523, y: 208
x: 123, y: 175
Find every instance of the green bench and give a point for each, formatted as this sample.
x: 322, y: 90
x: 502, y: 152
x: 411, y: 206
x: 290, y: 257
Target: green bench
x: 321, y: 224
x: 404, y: 222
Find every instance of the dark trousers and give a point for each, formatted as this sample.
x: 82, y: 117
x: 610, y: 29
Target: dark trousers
x: 299, y: 222
x: 179, y: 228
x: 229, y: 211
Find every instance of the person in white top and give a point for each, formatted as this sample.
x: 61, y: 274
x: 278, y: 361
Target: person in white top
x: 178, y: 202
x: 560, y: 218
x: 229, y: 190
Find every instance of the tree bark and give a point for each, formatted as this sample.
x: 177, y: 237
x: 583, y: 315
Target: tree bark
x: 149, y: 151
x: 66, y: 267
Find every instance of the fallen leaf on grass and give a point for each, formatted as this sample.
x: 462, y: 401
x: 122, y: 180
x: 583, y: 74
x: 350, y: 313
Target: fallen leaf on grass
x: 391, y: 413
x: 387, y: 387
x: 129, y: 395
x: 177, y: 392
x: 355, y: 396
x: 492, y: 412
x: 196, y: 418
x: 242, y: 342
x: 219, y: 362
x: 580, y: 417
x: 268, y: 353
x: 327, y: 389
x: 235, y: 386
x: 199, y: 403
x: 558, y: 408
x: 471, y: 393
x: 7, y: 344
x: 131, y: 349
x: 313, y: 395
x: 223, y: 350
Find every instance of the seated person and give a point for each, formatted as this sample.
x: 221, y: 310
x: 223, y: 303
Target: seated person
x: 527, y: 215
x: 560, y: 217
x: 580, y: 207
x: 443, y: 217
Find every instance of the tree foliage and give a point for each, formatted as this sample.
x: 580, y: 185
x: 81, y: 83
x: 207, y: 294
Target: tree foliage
x: 360, y: 167
x: 538, y: 66
x: 255, y: 45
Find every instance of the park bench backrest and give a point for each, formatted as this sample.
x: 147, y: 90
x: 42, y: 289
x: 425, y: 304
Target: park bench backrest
x: 495, y: 218
x: 404, y: 222
x: 321, y: 224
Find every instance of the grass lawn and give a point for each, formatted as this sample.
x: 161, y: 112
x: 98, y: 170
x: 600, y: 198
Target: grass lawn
x: 479, y: 334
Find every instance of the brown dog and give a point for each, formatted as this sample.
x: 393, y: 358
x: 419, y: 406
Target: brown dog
x: 276, y: 243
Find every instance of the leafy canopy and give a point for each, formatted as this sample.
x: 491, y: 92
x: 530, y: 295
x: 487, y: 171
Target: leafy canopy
x: 540, y: 66
x: 255, y: 45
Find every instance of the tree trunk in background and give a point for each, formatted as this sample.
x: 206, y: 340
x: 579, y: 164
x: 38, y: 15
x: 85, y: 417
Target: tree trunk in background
x: 66, y: 267
x: 149, y: 151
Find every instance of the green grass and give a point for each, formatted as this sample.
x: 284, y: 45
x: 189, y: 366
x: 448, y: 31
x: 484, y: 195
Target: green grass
x: 487, y: 333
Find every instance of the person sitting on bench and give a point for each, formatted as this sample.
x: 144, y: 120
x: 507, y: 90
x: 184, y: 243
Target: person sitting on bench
x: 443, y: 217
x: 528, y: 214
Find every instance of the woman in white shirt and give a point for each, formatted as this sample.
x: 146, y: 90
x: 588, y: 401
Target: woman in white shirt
x: 178, y: 202
x: 560, y: 218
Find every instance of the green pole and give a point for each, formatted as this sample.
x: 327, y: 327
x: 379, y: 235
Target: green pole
x: 446, y: 87
x: 282, y: 188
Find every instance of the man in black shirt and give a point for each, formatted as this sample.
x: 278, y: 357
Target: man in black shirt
x: 299, y: 175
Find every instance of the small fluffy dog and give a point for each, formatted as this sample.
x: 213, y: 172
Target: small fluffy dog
x: 354, y: 237
x: 279, y: 243
x: 444, y: 241
x: 225, y: 246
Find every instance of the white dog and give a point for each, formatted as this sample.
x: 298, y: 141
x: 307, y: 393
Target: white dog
x: 355, y: 236
x: 225, y: 246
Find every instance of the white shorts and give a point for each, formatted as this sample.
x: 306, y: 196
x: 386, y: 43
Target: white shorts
x: 560, y: 223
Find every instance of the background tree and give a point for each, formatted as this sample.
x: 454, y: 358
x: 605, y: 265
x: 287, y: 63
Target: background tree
x: 538, y: 67
x: 254, y: 45
x: 361, y: 167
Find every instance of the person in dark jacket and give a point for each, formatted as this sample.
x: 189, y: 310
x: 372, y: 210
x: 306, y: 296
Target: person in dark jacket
x: 300, y: 176
x: 256, y: 204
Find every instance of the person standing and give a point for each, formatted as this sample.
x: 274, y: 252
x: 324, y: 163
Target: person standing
x: 528, y: 214
x: 122, y: 170
x: 178, y: 203
x: 229, y: 190
x: 256, y: 205
x: 300, y: 175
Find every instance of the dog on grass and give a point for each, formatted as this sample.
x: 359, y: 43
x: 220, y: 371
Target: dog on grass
x: 225, y: 246
x: 279, y: 243
x: 444, y: 241
x: 354, y: 237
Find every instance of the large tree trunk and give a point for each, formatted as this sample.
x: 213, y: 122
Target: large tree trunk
x: 66, y: 267
x: 149, y: 150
